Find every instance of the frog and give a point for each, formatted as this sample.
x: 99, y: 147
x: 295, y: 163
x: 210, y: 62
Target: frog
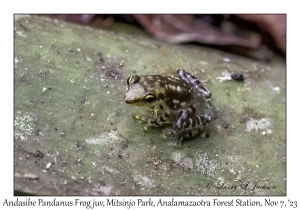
x: 180, y: 101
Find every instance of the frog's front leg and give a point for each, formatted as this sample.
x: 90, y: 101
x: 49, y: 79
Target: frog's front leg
x: 143, y: 119
x: 160, y: 118
x: 189, y: 124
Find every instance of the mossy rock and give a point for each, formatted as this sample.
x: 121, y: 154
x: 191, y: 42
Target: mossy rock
x: 74, y: 135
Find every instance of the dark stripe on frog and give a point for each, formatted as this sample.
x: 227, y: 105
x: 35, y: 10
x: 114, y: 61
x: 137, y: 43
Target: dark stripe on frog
x: 195, y: 82
x: 181, y: 117
x: 154, y: 122
x: 186, y: 124
x: 199, y: 121
x: 203, y: 119
x: 195, y: 123
x: 162, y: 119
x: 166, y: 115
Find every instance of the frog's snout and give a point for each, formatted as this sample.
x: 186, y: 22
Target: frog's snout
x: 128, y: 99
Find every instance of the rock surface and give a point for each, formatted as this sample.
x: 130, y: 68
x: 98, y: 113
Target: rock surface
x: 74, y: 134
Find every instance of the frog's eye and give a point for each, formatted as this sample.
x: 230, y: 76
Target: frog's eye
x: 149, y: 98
x: 132, y: 79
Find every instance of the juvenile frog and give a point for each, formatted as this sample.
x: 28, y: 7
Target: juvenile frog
x: 181, y: 101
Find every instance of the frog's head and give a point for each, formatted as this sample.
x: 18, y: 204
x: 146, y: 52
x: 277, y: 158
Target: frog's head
x: 141, y: 91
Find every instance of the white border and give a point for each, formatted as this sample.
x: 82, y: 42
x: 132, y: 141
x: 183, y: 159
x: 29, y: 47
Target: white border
x: 154, y: 6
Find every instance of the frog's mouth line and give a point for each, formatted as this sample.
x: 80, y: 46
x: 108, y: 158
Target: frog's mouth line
x: 131, y: 101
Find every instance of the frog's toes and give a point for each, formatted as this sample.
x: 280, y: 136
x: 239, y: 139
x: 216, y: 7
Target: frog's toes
x: 145, y: 128
x: 140, y: 118
x: 179, y: 145
x: 163, y: 135
x: 179, y: 140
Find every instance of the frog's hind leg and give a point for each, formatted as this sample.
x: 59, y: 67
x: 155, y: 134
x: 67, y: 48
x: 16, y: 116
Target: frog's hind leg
x: 189, y: 125
x: 188, y: 121
x: 194, y: 82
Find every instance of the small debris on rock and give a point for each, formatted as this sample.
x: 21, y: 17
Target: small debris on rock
x: 237, y: 76
x: 48, y: 165
x: 233, y: 76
